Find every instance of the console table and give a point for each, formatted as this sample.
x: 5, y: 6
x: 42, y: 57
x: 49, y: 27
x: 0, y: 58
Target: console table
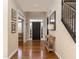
x: 50, y: 43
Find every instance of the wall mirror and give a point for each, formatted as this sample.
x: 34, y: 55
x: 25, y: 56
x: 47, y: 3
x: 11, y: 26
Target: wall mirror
x: 51, y: 22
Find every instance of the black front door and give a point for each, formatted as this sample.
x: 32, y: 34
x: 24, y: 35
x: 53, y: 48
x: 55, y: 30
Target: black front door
x: 36, y: 30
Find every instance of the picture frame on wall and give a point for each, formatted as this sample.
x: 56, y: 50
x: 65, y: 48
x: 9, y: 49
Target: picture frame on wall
x: 13, y: 20
x: 13, y: 14
x: 13, y: 27
x: 52, y: 21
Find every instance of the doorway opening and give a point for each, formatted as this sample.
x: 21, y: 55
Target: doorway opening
x: 20, y: 30
x: 36, y: 29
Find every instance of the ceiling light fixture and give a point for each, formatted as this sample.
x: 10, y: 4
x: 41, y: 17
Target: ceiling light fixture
x: 35, y: 5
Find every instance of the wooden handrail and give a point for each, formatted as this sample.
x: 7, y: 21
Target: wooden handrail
x: 70, y: 7
x: 69, y: 18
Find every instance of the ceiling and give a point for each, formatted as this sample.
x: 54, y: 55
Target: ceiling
x: 33, y: 5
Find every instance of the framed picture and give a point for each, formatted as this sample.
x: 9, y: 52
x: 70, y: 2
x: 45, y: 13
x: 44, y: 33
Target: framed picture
x: 52, y: 20
x: 13, y: 15
x: 13, y: 27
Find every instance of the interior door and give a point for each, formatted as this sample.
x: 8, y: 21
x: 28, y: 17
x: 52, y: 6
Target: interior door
x: 36, y: 30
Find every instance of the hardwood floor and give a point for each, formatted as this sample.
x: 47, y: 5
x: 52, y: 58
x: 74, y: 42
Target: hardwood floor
x: 33, y: 50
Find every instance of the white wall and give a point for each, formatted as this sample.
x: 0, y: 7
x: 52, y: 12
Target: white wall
x: 10, y: 39
x: 24, y: 31
x: 5, y: 29
x: 65, y: 47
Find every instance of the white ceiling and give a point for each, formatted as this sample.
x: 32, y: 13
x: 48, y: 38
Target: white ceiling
x: 33, y: 5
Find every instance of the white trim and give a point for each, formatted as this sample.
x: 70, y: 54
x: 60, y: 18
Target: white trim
x: 58, y: 55
x: 13, y: 53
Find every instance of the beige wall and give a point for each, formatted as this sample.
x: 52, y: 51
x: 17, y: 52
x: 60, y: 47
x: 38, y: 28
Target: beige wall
x: 35, y: 15
x: 10, y: 39
x: 65, y: 47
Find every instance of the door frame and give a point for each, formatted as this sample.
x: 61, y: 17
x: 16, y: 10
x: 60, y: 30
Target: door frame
x: 21, y: 20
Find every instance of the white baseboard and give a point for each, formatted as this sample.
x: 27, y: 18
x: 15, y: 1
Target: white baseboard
x: 13, y: 53
x: 58, y: 55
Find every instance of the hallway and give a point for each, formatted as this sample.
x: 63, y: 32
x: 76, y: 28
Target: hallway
x: 33, y: 50
x: 57, y: 27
